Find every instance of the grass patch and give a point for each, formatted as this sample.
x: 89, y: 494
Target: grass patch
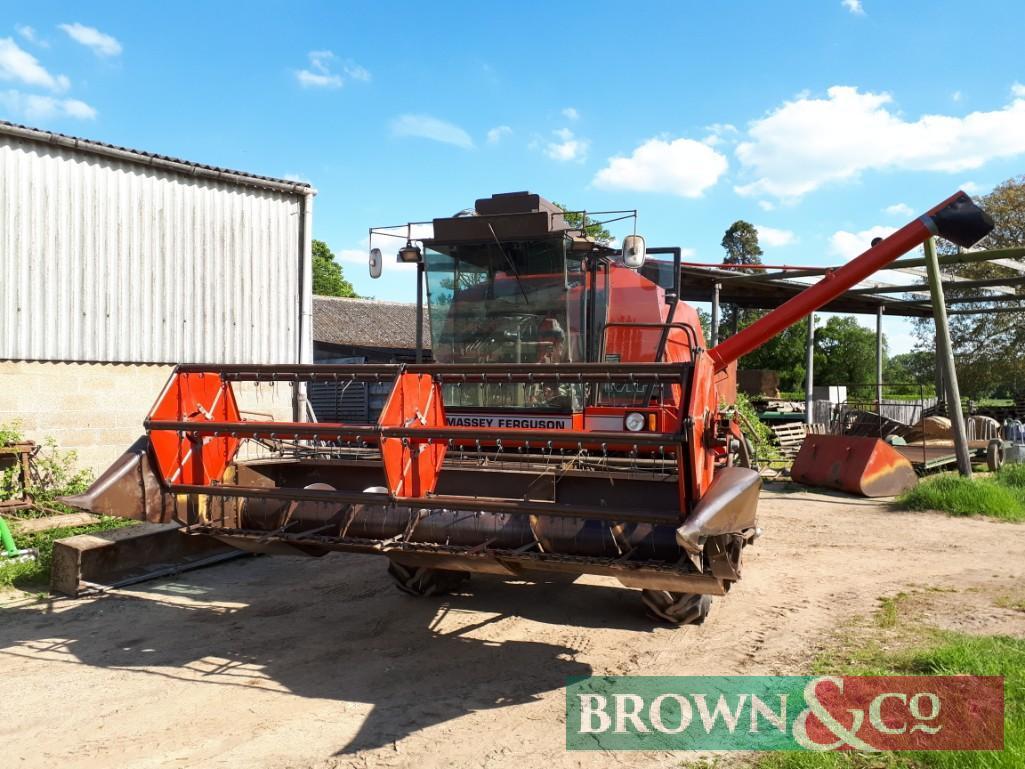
x: 999, y: 496
x: 889, y: 610
x: 31, y: 575
x: 924, y: 651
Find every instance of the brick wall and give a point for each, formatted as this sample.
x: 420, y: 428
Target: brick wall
x: 97, y: 409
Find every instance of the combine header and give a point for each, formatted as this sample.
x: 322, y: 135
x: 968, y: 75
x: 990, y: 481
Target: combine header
x: 572, y: 422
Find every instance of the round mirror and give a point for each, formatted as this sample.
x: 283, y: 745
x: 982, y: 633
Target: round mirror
x: 376, y: 262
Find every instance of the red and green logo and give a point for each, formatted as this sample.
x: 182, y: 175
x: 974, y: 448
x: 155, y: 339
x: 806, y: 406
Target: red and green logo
x: 866, y: 713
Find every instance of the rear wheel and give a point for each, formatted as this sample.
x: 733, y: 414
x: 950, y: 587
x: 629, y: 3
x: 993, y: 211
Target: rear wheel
x: 677, y: 608
x: 995, y: 455
x: 420, y: 580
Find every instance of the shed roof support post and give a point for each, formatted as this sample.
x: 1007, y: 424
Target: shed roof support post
x: 879, y: 360
x: 945, y: 354
x: 809, y: 377
x: 714, y: 331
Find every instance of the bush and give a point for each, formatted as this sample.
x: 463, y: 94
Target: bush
x: 53, y: 471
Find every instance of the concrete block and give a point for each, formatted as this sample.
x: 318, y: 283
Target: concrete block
x: 128, y: 555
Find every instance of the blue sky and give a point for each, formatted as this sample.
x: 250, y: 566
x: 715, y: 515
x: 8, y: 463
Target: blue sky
x: 821, y: 122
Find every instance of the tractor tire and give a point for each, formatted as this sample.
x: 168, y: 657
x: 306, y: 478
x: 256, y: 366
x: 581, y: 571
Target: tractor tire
x: 677, y: 608
x: 422, y: 581
x: 995, y: 455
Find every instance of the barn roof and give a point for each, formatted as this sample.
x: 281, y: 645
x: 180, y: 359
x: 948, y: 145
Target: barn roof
x: 366, y: 323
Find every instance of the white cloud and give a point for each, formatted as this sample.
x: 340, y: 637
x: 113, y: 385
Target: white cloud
x: 854, y: 6
x: 321, y: 73
x: 496, y: 134
x: 1018, y: 91
x: 100, y: 43
x: 568, y: 148
x: 720, y: 132
x: 848, y: 245
x: 956, y: 96
x: 773, y: 237
x: 429, y: 127
x: 32, y: 106
x: 900, y: 209
x: 972, y: 188
x: 766, y: 205
x: 681, y: 167
x: 809, y: 142
x: 18, y: 64
x: 30, y: 34
x: 571, y: 113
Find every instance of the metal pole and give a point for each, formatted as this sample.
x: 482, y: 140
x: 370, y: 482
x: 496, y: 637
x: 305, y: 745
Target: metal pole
x: 714, y: 335
x: 809, y: 379
x: 879, y: 360
x: 420, y: 311
x: 946, y: 354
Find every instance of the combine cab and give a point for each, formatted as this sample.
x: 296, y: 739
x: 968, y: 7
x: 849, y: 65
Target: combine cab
x: 572, y: 421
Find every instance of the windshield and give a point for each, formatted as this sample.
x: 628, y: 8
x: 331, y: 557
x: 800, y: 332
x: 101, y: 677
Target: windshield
x: 518, y: 302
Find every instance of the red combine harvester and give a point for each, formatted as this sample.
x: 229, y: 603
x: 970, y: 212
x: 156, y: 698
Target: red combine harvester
x: 572, y: 422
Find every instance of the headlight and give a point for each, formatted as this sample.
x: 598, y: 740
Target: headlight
x: 634, y: 421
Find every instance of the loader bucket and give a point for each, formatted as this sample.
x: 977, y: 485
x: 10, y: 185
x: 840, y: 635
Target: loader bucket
x: 866, y: 466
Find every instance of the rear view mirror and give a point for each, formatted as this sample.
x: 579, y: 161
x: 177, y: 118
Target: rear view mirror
x: 376, y: 261
x: 634, y: 251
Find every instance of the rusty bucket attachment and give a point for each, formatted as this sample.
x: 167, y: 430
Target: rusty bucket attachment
x: 866, y: 466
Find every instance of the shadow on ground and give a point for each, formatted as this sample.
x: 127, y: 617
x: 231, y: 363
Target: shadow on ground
x: 332, y: 628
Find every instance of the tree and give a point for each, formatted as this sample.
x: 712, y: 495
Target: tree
x: 593, y: 230
x: 987, y: 348
x: 328, y: 279
x: 741, y: 244
x: 914, y: 369
x: 845, y: 353
x: 785, y: 354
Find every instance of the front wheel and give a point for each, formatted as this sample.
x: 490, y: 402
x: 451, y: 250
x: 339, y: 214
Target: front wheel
x: 677, y: 608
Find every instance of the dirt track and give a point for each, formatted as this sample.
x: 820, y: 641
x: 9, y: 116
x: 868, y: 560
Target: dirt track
x: 277, y: 662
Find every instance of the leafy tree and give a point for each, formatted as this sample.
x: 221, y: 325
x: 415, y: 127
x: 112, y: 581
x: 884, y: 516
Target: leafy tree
x: 845, y: 353
x: 914, y: 369
x: 784, y: 354
x: 987, y: 347
x: 594, y: 230
x: 741, y: 244
x: 328, y: 279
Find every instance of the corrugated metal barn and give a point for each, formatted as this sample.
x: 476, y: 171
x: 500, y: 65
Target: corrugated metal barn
x: 115, y: 263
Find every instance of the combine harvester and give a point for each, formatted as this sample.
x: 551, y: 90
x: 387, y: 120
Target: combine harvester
x: 572, y: 422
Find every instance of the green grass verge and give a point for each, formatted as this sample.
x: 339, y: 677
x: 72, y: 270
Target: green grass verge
x: 32, y: 575
x: 1000, y: 496
x: 942, y: 654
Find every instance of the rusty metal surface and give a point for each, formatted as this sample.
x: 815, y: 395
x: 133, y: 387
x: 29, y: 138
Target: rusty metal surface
x: 858, y: 465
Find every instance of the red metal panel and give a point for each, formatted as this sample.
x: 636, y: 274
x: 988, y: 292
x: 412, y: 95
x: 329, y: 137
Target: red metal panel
x: 866, y: 466
x: 412, y: 467
x: 194, y: 397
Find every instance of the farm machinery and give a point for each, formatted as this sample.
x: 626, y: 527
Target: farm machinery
x: 572, y: 420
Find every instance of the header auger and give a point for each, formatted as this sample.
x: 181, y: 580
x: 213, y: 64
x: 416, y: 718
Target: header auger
x: 571, y: 422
